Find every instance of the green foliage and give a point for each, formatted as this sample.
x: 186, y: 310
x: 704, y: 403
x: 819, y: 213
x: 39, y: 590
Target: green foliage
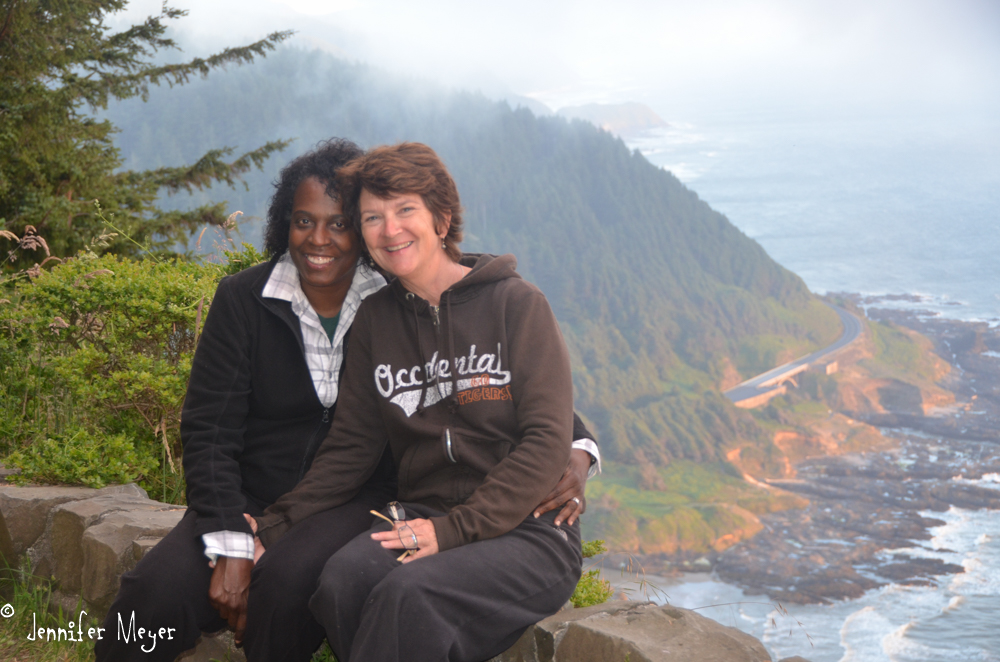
x: 591, y: 589
x: 592, y: 548
x: 902, y: 353
x: 97, y: 354
x: 77, y: 457
x: 239, y: 259
x: 59, y: 62
x: 324, y: 654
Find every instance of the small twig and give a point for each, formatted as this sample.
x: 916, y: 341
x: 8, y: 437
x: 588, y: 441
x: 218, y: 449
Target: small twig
x: 197, y: 320
x: 162, y: 428
x: 145, y: 248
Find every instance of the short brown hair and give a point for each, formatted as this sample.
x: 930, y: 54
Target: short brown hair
x: 391, y: 170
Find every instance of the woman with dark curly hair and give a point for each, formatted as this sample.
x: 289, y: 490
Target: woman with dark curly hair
x: 263, y: 388
x: 264, y: 384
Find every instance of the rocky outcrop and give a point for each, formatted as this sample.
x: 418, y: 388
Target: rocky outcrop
x: 82, y: 538
x: 633, y: 631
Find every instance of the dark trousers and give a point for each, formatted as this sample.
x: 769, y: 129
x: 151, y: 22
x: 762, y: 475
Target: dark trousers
x: 465, y: 604
x: 169, y: 588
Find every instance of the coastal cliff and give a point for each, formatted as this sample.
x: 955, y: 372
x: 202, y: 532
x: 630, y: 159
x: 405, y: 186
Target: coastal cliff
x: 906, y: 427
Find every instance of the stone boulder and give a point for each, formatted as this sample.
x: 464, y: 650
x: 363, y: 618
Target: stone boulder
x: 212, y: 648
x: 636, y: 631
x: 7, y: 554
x: 87, y: 538
x: 26, y: 510
x: 107, y: 549
x: 84, y: 538
x: 71, y: 520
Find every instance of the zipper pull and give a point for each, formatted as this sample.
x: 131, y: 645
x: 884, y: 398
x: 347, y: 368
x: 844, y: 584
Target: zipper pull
x: 326, y: 414
x: 447, y: 445
x: 435, y: 311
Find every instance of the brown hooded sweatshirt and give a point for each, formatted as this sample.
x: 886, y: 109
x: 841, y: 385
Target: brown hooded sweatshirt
x: 474, y: 398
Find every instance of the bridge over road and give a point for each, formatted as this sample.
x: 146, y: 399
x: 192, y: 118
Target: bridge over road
x: 758, y: 390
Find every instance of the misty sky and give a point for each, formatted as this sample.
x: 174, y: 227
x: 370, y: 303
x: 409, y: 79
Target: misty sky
x: 681, y: 58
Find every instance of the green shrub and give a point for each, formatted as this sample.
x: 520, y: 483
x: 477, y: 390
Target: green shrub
x: 591, y: 589
x: 81, y: 458
x: 239, y: 259
x: 97, y: 351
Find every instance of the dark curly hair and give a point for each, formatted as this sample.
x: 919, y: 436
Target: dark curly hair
x: 404, y: 168
x: 322, y: 163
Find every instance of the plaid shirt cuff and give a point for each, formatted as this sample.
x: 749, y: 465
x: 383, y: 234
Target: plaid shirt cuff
x: 235, y: 544
x: 590, y: 446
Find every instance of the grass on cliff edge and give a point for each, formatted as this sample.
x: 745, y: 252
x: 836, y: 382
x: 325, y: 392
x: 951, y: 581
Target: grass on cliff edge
x: 904, y: 354
x: 684, y: 508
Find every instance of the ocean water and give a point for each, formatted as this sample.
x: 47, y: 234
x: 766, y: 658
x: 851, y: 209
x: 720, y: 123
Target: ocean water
x: 957, y: 620
x: 877, y: 205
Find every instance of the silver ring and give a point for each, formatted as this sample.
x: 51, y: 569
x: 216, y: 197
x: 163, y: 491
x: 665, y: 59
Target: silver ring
x: 577, y: 499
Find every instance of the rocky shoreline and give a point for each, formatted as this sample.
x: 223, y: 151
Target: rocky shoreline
x: 865, y: 505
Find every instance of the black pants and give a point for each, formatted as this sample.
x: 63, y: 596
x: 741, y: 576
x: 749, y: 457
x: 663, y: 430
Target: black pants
x: 169, y: 588
x: 465, y: 604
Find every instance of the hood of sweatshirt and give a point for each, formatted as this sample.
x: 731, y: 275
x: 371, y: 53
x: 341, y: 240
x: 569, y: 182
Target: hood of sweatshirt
x: 486, y: 269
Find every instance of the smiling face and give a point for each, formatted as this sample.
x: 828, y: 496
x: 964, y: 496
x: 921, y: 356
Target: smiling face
x: 323, y: 247
x: 403, y: 237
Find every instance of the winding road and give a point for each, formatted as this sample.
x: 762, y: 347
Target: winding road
x: 767, y: 384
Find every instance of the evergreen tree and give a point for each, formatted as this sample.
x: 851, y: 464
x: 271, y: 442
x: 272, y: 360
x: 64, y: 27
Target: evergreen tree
x: 60, y: 62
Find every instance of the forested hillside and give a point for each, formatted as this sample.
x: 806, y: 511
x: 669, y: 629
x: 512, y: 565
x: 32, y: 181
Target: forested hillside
x: 661, y: 299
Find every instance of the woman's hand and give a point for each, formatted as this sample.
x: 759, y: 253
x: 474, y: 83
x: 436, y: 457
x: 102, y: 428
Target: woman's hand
x: 422, y: 529
x: 569, y: 490
x: 228, y: 592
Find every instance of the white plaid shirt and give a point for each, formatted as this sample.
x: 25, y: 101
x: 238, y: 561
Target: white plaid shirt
x: 324, y: 359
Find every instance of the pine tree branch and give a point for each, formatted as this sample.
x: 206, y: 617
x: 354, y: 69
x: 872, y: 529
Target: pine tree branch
x: 136, y: 82
x: 122, y: 48
x: 177, y: 226
x: 209, y: 169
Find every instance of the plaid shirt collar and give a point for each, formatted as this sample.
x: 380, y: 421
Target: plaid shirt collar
x: 323, y: 357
